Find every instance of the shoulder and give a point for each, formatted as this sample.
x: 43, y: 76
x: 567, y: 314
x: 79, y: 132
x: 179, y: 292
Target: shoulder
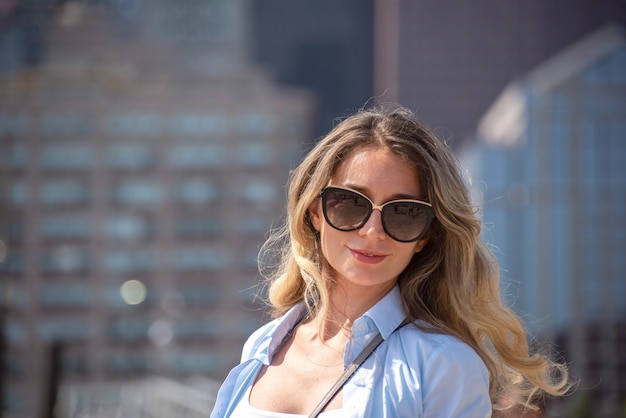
x: 431, y: 341
x: 449, y: 375
x: 427, y: 351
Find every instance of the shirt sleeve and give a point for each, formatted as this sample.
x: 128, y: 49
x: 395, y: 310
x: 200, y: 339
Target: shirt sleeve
x: 456, y: 384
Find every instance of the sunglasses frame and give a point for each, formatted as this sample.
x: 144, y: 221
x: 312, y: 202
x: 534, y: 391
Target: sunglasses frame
x: 427, y: 207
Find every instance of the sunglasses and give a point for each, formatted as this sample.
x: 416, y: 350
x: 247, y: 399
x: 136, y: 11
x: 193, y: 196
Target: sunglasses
x: 404, y: 220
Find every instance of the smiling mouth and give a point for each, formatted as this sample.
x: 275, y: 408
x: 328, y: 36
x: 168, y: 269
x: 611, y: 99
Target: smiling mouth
x: 368, y: 256
x: 368, y: 253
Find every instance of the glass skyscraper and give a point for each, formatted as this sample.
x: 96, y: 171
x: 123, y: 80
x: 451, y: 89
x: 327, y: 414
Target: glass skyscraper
x: 550, y: 177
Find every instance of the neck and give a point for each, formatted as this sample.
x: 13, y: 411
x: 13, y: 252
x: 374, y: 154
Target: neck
x: 347, y: 304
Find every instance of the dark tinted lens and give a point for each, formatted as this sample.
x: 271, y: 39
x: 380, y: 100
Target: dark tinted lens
x: 344, y: 209
x: 405, y: 221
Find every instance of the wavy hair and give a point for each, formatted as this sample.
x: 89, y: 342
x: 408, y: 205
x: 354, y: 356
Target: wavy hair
x: 452, y: 284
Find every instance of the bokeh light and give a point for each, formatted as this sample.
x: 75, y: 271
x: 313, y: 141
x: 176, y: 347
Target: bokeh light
x: 161, y: 333
x: 133, y: 292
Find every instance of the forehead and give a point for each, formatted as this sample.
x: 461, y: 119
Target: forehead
x: 378, y: 171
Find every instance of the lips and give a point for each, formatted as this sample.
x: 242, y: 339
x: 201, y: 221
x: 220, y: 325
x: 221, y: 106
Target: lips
x: 367, y: 256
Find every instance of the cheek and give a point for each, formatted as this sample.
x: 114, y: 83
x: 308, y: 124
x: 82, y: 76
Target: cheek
x: 332, y: 246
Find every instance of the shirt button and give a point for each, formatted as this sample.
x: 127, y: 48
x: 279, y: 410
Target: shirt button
x: 360, y: 328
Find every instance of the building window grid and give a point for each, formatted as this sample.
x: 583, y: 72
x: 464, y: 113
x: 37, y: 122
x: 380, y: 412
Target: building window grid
x: 52, y: 195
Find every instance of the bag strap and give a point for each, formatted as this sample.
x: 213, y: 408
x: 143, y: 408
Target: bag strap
x: 349, y: 371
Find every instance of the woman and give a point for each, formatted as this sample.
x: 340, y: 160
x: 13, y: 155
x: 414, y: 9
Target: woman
x: 380, y: 228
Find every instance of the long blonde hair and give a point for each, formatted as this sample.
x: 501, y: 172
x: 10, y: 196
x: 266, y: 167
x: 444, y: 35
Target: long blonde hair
x: 452, y: 284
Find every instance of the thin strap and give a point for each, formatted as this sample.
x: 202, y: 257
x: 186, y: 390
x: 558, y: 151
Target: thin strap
x: 352, y: 367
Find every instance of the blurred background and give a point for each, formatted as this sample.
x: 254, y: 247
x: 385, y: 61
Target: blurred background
x: 145, y: 146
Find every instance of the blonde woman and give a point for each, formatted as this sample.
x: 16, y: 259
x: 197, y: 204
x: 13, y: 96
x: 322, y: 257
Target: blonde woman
x: 382, y: 244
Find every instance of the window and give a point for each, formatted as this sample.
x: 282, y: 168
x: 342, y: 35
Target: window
x: 13, y: 261
x: 256, y: 123
x: 196, y: 329
x: 58, y: 192
x: 64, y: 329
x: 253, y: 225
x: 133, y: 124
x: 199, y: 124
x: 259, y: 191
x: 65, y: 258
x: 67, y: 156
x: 200, y: 295
x: 254, y: 155
x: 124, y: 361
x: 66, y: 226
x: 14, y: 155
x: 13, y: 124
x: 126, y: 227
x: 197, y: 191
x: 63, y: 124
x: 129, y: 328
x: 14, y: 332
x: 18, y: 193
x: 197, y: 362
x: 199, y: 258
x: 125, y: 260
x: 130, y: 156
x: 197, y: 227
x: 138, y: 192
x: 65, y: 296
x: 193, y: 156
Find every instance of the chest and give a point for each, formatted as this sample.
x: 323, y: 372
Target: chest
x: 297, y: 379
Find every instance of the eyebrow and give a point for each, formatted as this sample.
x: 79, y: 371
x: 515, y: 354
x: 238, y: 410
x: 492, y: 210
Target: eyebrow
x: 365, y: 191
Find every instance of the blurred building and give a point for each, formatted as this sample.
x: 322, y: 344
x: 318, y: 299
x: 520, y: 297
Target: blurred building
x: 549, y: 172
x: 153, y: 397
x: 448, y: 60
x: 324, y: 46
x: 142, y: 164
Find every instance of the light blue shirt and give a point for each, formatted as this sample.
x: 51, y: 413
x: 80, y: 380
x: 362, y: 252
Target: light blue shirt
x: 412, y: 373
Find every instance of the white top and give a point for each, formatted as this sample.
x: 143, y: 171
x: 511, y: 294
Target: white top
x: 245, y: 410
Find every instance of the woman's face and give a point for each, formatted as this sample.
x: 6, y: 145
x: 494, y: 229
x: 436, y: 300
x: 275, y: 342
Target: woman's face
x: 368, y: 257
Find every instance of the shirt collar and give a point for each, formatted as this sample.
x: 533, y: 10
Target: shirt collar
x: 276, y: 334
x: 388, y: 313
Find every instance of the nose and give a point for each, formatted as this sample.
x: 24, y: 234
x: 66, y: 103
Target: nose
x: 373, y: 228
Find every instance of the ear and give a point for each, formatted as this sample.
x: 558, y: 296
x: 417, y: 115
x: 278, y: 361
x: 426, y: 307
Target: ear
x: 315, y: 213
x: 419, y: 245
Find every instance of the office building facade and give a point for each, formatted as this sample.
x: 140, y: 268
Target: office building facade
x: 139, y: 181
x: 548, y: 170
